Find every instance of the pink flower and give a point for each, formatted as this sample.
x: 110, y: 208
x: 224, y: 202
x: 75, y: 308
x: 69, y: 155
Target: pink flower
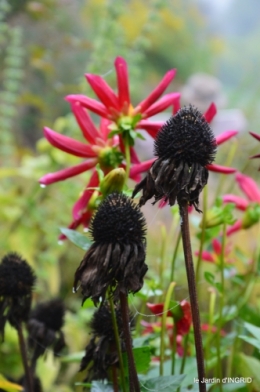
x: 250, y: 205
x: 214, y: 255
x: 117, y: 107
x: 257, y: 137
x: 183, y: 323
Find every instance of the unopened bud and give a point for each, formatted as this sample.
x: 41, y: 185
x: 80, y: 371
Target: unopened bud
x: 113, y: 182
x: 94, y: 201
x: 251, y: 216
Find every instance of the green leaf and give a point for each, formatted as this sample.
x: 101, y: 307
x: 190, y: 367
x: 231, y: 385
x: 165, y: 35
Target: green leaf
x: 163, y: 383
x: 76, y: 238
x: 254, y: 342
x: 255, y: 331
x: 142, y: 356
x: 249, y: 367
x: 210, y: 278
x: 75, y: 357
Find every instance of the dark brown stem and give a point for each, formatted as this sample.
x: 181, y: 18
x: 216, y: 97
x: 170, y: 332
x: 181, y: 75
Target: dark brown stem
x: 133, y: 379
x: 114, y: 378
x: 192, y: 292
x: 27, y: 371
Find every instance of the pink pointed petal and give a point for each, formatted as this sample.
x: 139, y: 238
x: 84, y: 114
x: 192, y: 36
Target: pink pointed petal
x: 221, y: 169
x: 216, y: 246
x: 89, y: 103
x: 105, y: 131
x: 151, y: 127
x: 162, y: 104
x: 84, y: 120
x: 255, y: 135
x: 67, y: 173
x: 122, y: 82
x: 225, y: 136
x: 234, y: 228
x: 103, y: 91
x: 176, y: 106
x: 82, y: 202
x: 141, y: 167
x: 157, y: 92
x: 134, y: 156
x: 239, y: 202
x: 210, y: 113
x: 68, y: 144
x: 206, y: 256
x: 249, y: 187
x: 163, y: 203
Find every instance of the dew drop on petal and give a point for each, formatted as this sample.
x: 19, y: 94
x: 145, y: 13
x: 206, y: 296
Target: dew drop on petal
x: 42, y: 186
x: 86, y: 229
x: 60, y: 242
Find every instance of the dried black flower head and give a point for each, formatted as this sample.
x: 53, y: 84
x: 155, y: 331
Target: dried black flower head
x: 185, y: 145
x: 44, y: 328
x: 17, y: 280
x: 116, y: 258
x: 37, y: 386
x: 101, y: 352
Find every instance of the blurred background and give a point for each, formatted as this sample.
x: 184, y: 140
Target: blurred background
x: 45, y: 49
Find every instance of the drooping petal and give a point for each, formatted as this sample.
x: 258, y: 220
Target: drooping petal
x: 221, y: 169
x: 156, y: 93
x: 255, y: 156
x: 240, y: 203
x: 122, y: 82
x: 249, y: 187
x: 134, y: 156
x: 83, y: 220
x: 151, y: 127
x: 82, y: 202
x: 89, y: 103
x: 225, y: 136
x: 216, y: 246
x: 68, y: 144
x: 210, y: 112
x: 103, y: 91
x: 157, y: 309
x: 162, y: 104
x: 72, y: 171
x: 141, y: 167
x: 255, y: 135
x: 84, y: 120
x: 206, y: 256
x: 235, y: 227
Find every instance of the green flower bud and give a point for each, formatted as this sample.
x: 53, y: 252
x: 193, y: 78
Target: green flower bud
x: 251, y: 216
x: 113, y: 182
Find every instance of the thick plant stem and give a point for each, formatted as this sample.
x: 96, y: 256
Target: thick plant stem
x: 27, y: 371
x: 118, y: 346
x: 192, y: 292
x: 133, y: 379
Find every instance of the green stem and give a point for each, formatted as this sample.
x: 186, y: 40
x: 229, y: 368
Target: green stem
x: 163, y: 328
x: 202, y: 238
x: 174, y: 346
x: 175, y: 256
x: 221, y: 305
x: 212, y: 303
x: 185, y: 348
x: 162, y: 254
x: 127, y: 158
x: 118, y: 345
x: 183, y: 205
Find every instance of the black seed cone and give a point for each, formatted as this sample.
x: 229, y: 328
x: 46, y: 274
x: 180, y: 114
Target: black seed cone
x: 101, y: 352
x: 186, y: 137
x: 17, y: 280
x: 44, y: 328
x: 116, y: 258
x: 185, y: 145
